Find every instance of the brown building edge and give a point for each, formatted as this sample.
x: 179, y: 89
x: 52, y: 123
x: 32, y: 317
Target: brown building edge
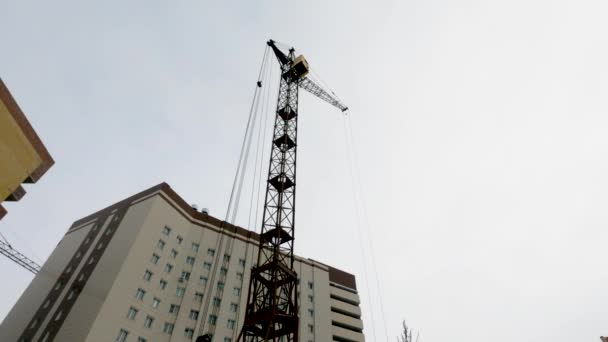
x: 32, y: 137
x: 28, y: 131
x: 335, y: 275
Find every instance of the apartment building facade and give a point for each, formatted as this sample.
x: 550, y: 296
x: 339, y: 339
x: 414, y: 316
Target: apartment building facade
x: 152, y: 268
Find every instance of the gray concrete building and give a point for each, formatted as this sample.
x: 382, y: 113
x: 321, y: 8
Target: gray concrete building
x: 151, y: 268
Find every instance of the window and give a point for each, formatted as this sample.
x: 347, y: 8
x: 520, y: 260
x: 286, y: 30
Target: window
x: 311, y: 298
x: 148, y: 322
x: 173, y: 253
x: 207, y: 265
x: 239, y: 276
x: 242, y: 262
x: 185, y: 276
x: 179, y: 240
x: 311, y: 312
x: 193, y: 314
x: 132, y: 313
x: 163, y: 284
x: 203, y: 280
x: 220, y: 285
x: 168, y: 328
x: 311, y: 328
x: 147, y: 275
x: 234, y: 307
x: 71, y: 294
x: 236, y: 291
x: 227, y: 339
x: 140, y: 294
x: 231, y: 324
x: 226, y: 257
x: 180, y: 291
x: 58, y: 285
x: 161, y: 244
x: 310, y: 285
x: 198, y: 297
x: 141, y: 339
x: 223, y: 271
x: 155, y: 303
x: 216, y: 301
x: 190, y: 260
x: 58, y: 315
x: 195, y: 247
x: 212, y: 319
x: 46, y: 304
x: 210, y: 252
x: 188, y: 332
x: 154, y: 259
x: 100, y: 245
x: 109, y: 231
x: 167, y: 230
x: 168, y: 268
x: 174, y: 309
x: 78, y: 255
x: 122, y: 335
x: 81, y: 277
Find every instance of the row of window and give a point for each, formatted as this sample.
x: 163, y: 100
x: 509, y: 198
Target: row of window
x: 195, y: 247
x: 188, y: 332
x: 168, y: 327
x: 179, y: 292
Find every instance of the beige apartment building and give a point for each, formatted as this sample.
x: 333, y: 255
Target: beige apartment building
x: 152, y: 268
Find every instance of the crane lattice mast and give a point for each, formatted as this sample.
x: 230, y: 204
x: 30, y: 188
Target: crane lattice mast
x: 272, y: 304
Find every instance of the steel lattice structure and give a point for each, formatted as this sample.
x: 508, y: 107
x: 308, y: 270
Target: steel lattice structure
x: 272, y: 303
x: 272, y: 308
x: 19, y: 258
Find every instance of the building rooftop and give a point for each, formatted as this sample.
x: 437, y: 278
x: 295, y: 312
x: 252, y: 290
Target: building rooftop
x: 335, y: 275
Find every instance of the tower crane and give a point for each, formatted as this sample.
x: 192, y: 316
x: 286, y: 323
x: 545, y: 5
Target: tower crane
x: 8, y: 251
x: 272, y: 305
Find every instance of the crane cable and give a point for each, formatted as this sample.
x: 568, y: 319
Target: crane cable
x: 261, y: 135
x: 233, y: 202
x: 360, y: 206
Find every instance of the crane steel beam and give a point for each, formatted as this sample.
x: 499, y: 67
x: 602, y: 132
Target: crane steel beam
x: 19, y: 258
x: 313, y: 88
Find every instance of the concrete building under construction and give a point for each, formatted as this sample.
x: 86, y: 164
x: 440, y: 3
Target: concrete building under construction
x: 148, y: 269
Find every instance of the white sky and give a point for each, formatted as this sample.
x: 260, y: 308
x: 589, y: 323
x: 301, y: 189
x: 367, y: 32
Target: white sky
x: 480, y: 126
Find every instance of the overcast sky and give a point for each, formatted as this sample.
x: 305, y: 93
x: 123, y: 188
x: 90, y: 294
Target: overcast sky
x: 480, y: 127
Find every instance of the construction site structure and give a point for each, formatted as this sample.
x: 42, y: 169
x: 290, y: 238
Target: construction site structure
x: 272, y: 306
x: 141, y: 269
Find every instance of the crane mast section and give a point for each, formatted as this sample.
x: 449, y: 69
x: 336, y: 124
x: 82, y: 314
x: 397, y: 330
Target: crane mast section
x: 272, y: 308
x: 272, y: 303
